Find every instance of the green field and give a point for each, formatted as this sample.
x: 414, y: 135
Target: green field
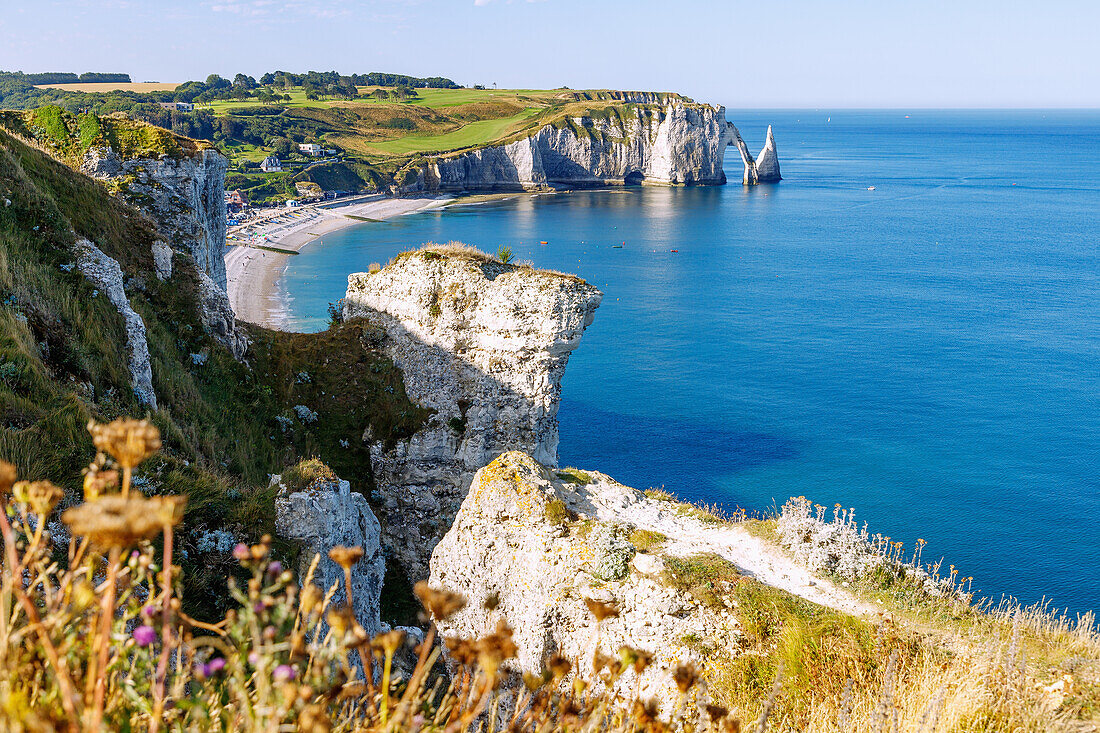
x: 473, y: 134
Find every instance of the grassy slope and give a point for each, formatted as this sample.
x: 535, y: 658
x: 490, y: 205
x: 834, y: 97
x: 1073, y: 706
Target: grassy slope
x: 66, y: 363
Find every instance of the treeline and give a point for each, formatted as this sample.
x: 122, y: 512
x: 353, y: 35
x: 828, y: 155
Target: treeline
x: 287, y: 79
x: 67, y: 77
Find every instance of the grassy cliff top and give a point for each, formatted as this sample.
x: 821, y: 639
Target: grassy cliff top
x: 68, y: 136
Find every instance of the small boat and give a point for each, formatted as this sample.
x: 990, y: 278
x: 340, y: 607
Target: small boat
x: 543, y: 242
x: 870, y: 188
x: 616, y: 246
x: 674, y: 250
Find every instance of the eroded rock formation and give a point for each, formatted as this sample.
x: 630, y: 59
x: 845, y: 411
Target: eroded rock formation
x: 106, y: 274
x: 322, y: 516
x: 514, y: 541
x: 762, y: 169
x: 185, y: 198
x: 676, y: 144
x: 484, y: 345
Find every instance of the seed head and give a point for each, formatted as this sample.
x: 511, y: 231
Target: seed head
x: 129, y: 441
x: 389, y: 642
x: 116, y: 521
x: 345, y: 557
x: 440, y: 604
x: 98, y: 481
x: 40, y: 496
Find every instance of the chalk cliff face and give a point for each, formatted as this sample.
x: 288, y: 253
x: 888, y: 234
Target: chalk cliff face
x: 677, y: 144
x: 185, y: 197
x: 322, y: 516
x: 665, y: 142
x: 542, y: 569
x: 484, y: 345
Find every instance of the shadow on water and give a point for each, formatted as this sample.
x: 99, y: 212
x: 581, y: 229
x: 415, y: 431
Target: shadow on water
x: 685, y: 457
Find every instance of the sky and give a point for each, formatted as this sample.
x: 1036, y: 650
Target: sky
x: 760, y: 54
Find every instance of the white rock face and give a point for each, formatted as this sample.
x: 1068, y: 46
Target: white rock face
x: 162, y: 260
x: 185, y: 197
x: 503, y: 544
x: 765, y: 167
x: 670, y: 142
x: 677, y: 144
x: 106, y: 274
x: 483, y: 344
x: 327, y: 514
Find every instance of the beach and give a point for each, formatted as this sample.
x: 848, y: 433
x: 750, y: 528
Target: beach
x: 253, y: 273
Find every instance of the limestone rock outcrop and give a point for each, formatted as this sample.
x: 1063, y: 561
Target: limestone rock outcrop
x: 510, y: 542
x: 326, y: 514
x: 666, y: 140
x: 484, y: 345
x: 762, y: 169
x: 676, y: 144
x: 185, y: 198
x: 106, y: 274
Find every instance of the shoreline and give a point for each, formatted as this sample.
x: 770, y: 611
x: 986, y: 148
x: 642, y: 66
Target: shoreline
x: 253, y: 274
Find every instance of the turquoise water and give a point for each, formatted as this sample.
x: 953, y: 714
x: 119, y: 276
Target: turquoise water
x: 927, y: 352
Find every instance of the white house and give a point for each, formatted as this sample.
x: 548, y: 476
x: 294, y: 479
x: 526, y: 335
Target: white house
x: 178, y: 106
x: 310, y: 149
x: 271, y: 164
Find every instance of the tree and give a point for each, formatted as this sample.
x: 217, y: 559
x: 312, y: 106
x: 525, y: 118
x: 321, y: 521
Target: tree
x: 283, y: 147
x: 216, y: 82
x: 244, y: 82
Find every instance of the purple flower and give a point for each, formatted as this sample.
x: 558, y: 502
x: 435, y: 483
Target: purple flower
x: 214, y: 666
x: 145, y: 635
x: 283, y: 673
x: 254, y: 658
x: 149, y: 611
x: 241, y: 552
x: 275, y: 567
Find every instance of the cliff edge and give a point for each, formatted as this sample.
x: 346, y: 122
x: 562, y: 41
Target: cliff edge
x: 484, y: 345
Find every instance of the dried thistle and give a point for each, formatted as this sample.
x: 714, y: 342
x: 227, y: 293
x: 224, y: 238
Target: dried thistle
x: 440, y: 604
x: 115, y: 521
x: 345, y: 557
x: 601, y: 610
x: 129, y: 441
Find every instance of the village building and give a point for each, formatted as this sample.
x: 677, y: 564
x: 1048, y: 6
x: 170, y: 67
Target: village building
x: 271, y: 164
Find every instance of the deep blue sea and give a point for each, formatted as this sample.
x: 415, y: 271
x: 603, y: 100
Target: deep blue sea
x: 927, y: 352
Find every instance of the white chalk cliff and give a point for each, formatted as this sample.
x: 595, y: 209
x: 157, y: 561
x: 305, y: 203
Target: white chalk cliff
x: 484, y: 345
x: 674, y: 143
x: 185, y: 198
x: 543, y: 544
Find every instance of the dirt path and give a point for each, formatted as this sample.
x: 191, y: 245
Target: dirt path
x: 610, y: 501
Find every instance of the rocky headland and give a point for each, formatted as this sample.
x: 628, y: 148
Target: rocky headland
x: 669, y: 141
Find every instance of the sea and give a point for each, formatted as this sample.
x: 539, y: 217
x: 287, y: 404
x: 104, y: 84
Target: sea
x: 907, y: 325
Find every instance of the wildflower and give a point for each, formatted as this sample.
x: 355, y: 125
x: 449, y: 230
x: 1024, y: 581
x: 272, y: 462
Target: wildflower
x: 129, y: 441
x: 283, y: 673
x: 214, y: 666
x: 114, y: 521
x: 240, y: 552
x: 40, y: 496
x: 601, y: 610
x: 145, y: 635
x: 345, y: 557
x: 439, y: 603
x: 98, y: 481
x: 274, y: 567
x: 167, y: 511
x: 8, y: 475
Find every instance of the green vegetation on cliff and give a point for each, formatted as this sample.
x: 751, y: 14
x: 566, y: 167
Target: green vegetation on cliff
x: 226, y: 425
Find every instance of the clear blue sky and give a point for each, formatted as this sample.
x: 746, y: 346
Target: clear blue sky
x: 764, y: 53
